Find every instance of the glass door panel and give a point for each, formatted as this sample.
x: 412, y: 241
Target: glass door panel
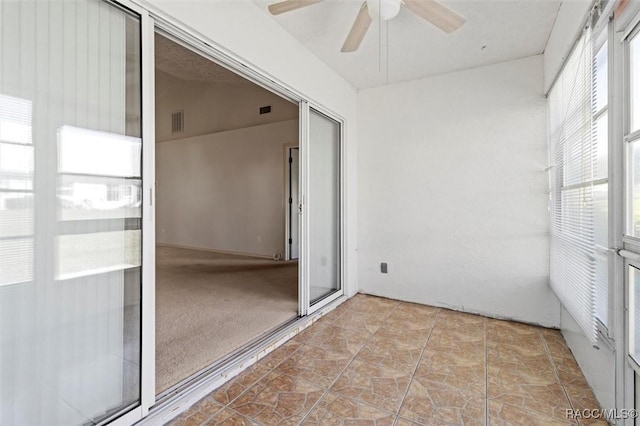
x: 323, y: 206
x: 70, y: 212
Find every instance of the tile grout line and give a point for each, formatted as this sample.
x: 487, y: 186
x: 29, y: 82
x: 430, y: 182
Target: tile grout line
x: 415, y: 370
x: 227, y: 406
x: 486, y: 375
x: 556, y: 372
x: 326, y: 392
x: 272, y: 369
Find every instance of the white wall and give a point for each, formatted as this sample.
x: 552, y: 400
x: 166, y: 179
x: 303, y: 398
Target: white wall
x: 224, y: 191
x: 242, y: 29
x: 453, y: 193
x: 211, y: 107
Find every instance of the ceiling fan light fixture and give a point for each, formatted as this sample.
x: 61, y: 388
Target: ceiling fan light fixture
x: 385, y: 9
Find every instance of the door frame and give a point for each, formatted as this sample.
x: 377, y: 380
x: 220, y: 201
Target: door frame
x: 148, y: 365
x: 629, y: 252
x: 155, y: 20
x: 306, y: 306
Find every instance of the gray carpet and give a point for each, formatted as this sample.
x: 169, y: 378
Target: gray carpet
x: 209, y: 304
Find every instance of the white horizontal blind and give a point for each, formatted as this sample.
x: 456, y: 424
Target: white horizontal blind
x: 573, y: 152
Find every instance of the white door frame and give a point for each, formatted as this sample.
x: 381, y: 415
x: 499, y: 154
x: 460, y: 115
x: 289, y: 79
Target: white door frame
x: 306, y: 307
x: 621, y: 221
x: 148, y: 382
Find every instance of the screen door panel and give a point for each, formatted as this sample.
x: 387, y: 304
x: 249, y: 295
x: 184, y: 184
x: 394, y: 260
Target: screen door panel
x: 70, y: 211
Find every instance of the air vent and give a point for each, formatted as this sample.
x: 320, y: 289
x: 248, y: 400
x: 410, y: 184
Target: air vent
x: 177, y: 121
x: 265, y: 109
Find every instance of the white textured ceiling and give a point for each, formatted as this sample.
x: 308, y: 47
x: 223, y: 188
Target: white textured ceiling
x: 182, y: 63
x: 408, y: 48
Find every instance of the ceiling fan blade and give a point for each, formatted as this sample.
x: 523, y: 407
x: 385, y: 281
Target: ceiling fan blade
x: 289, y: 5
x: 358, y: 30
x: 440, y: 16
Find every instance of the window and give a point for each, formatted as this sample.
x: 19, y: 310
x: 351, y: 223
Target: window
x: 633, y: 135
x: 601, y: 182
x: 16, y: 191
x: 579, y: 185
x: 99, y: 181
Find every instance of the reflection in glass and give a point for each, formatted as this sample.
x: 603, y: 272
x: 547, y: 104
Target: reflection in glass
x: 91, y: 197
x: 16, y: 166
x: 602, y: 148
x: 16, y: 186
x: 634, y: 68
x: 16, y: 261
x: 601, y: 214
x: 602, y: 288
x: 635, y: 188
x: 82, y: 151
x: 97, y: 252
x: 602, y: 73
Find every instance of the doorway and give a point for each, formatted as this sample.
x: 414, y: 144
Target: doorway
x: 222, y: 280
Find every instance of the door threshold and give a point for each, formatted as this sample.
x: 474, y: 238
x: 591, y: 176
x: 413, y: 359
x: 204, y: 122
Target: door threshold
x: 177, y: 399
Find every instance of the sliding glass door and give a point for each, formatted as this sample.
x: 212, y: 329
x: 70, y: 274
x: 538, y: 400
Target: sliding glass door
x: 322, y: 199
x: 70, y: 212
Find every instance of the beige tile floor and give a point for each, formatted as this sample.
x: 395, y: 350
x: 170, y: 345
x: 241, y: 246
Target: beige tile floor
x: 376, y: 361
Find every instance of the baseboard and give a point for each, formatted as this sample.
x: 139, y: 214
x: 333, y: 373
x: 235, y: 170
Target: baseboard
x: 212, y: 250
x: 462, y: 309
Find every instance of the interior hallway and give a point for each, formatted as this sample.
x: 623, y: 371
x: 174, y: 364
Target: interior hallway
x: 386, y: 362
x: 209, y: 304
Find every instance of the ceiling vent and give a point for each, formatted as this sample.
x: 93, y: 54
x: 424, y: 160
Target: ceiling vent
x: 177, y: 121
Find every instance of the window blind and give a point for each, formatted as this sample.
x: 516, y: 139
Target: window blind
x: 573, y: 155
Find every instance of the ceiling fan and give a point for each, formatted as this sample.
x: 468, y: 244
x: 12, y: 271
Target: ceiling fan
x: 429, y: 10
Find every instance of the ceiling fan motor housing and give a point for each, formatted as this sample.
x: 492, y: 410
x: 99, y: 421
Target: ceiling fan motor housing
x: 383, y: 9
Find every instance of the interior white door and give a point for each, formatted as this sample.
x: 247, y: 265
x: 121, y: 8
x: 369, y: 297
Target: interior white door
x: 70, y: 212
x: 294, y: 213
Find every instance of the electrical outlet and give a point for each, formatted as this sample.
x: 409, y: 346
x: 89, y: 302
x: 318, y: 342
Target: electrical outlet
x: 259, y: 240
x: 383, y: 267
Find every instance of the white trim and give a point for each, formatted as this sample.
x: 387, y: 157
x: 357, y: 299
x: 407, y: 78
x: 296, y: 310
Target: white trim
x: 128, y: 4
x: 632, y: 28
x: 303, y: 269
x: 632, y: 137
x: 324, y: 302
x: 215, y: 250
x: 130, y: 417
x: 148, y: 379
